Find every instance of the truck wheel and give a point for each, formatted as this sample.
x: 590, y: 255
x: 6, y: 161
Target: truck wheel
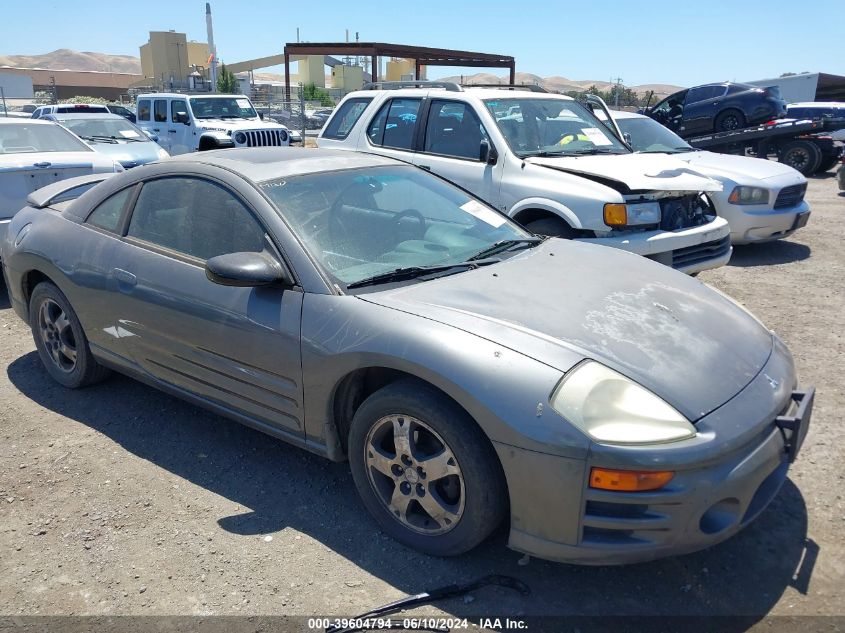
x: 805, y: 156
x: 729, y: 120
x: 554, y: 227
x: 827, y: 162
x: 425, y: 470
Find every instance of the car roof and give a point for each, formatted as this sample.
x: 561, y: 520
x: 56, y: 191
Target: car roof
x: 182, y: 95
x: 87, y: 115
x: 269, y: 163
x: 480, y: 92
x: 21, y: 121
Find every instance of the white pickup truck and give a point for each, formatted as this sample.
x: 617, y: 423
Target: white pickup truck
x: 544, y: 160
x: 185, y: 123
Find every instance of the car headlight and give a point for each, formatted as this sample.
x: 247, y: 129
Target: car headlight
x: 240, y: 138
x: 162, y: 153
x: 613, y: 409
x: 616, y: 214
x: 748, y: 195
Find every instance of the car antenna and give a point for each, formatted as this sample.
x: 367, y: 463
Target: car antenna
x: 434, y: 595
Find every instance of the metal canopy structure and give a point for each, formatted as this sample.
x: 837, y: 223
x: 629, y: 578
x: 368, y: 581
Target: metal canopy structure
x: 422, y: 55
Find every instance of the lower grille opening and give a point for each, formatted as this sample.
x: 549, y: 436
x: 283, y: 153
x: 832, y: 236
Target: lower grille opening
x: 683, y: 257
x: 603, y: 536
x: 616, y: 510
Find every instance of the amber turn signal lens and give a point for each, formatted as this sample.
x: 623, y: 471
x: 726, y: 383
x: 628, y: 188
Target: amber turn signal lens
x: 629, y: 480
x: 615, y: 214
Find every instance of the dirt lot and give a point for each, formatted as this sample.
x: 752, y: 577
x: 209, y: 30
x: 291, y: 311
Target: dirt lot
x: 121, y: 500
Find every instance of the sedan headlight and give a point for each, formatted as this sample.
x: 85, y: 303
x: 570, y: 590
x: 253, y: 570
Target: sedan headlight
x: 613, y: 409
x: 749, y: 195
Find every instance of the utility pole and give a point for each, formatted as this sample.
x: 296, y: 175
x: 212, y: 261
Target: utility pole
x: 212, y: 51
x: 616, y: 91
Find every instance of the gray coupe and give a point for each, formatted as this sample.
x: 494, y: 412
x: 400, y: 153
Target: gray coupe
x: 612, y: 409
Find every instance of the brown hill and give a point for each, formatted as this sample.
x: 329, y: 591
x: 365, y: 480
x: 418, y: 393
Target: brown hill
x: 66, y: 59
x: 558, y: 84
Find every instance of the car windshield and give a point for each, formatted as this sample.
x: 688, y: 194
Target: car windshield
x: 551, y: 127
x: 648, y: 136
x: 222, y: 108
x: 103, y: 129
x: 33, y: 138
x: 361, y: 224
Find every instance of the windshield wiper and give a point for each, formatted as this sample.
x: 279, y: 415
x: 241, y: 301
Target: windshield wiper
x: 100, y: 139
x: 412, y: 272
x: 596, y: 150
x: 504, y: 245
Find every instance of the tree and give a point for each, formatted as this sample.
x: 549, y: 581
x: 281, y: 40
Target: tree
x: 311, y: 92
x: 226, y: 82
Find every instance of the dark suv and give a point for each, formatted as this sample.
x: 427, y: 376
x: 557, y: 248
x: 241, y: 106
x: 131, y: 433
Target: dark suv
x: 718, y: 108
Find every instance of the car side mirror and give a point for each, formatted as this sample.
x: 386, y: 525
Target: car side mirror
x: 487, y: 153
x: 626, y: 137
x: 181, y: 117
x: 245, y: 270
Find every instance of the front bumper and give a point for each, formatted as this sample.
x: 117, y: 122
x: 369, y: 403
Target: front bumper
x: 722, y: 483
x: 754, y: 224
x: 689, y: 250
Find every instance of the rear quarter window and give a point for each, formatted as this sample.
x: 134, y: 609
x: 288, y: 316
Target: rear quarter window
x: 346, y: 117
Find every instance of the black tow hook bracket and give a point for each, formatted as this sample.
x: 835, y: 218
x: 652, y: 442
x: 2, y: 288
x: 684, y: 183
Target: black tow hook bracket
x: 434, y: 595
x: 797, y: 424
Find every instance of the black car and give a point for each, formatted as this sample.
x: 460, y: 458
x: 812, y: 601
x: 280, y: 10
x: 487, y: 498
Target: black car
x: 718, y: 108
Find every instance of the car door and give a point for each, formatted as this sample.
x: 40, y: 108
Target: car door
x: 159, y: 122
x: 236, y: 347
x: 179, y: 134
x: 701, y: 107
x: 670, y: 111
x: 392, y: 131
x: 451, y: 147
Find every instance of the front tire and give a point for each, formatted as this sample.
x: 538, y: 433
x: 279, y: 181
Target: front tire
x: 424, y: 470
x: 552, y: 227
x: 59, y: 339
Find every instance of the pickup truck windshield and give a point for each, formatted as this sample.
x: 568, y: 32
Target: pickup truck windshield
x: 551, y: 127
x: 222, y: 108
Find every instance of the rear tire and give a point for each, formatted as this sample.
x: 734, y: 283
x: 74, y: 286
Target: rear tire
x: 805, y: 156
x: 59, y: 339
x: 424, y: 469
x: 729, y: 120
x: 827, y: 162
x: 553, y: 227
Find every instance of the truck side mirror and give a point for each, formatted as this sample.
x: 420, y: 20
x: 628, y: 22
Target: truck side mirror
x: 181, y: 117
x: 487, y: 153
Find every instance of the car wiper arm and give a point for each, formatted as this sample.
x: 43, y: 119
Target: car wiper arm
x: 412, y: 272
x: 504, y: 245
x: 100, y: 139
x: 595, y: 150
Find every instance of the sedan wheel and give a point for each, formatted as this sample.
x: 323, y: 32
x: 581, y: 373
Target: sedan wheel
x: 425, y: 470
x: 59, y: 339
x: 415, y: 474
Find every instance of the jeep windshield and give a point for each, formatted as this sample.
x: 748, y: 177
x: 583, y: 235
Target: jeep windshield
x: 551, y: 127
x: 380, y: 225
x: 222, y: 108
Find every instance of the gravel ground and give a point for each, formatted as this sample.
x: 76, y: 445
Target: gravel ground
x: 120, y: 500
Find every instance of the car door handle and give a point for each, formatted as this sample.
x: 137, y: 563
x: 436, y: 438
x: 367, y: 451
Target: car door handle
x: 155, y: 129
x: 171, y: 131
x: 124, y: 277
x: 428, y: 167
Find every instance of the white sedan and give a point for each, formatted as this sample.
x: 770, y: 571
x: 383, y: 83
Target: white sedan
x: 34, y: 154
x: 762, y: 200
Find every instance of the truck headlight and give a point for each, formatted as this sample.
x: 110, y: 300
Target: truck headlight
x: 635, y: 214
x: 240, y: 138
x: 748, y: 195
x: 613, y: 409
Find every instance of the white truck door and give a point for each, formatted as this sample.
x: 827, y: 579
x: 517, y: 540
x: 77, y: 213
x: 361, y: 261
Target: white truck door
x: 456, y: 146
x: 158, y: 126
x: 180, y: 128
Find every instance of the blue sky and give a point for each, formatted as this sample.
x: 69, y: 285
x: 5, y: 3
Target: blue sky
x: 684, y: 42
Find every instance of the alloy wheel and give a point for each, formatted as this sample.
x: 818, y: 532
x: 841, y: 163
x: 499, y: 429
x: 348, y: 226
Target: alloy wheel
x: 57, y: 335
x: 415, y: 474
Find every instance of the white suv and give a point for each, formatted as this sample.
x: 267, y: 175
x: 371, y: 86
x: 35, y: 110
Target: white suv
x: 186, y: 123
x: 544, y: 160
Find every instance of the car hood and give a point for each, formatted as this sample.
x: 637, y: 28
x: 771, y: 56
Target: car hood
x: 27, y: 160
x: 238, y: 124
x: 636, y: 172
x: 745, y: 167
x: 563, y: 301
x: 127, y: 153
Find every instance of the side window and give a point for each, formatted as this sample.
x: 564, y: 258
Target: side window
x: 395, y: 123
x: 144, y: 110
x: 345, y: 118
x: 453, y: 129
x: 195, y: 217
x: 160, y: 112
x: 108, y: 213
x: 177, y: 105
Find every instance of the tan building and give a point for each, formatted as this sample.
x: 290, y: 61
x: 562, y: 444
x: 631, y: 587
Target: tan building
x: 168, y: 58
x: 66, y: 84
